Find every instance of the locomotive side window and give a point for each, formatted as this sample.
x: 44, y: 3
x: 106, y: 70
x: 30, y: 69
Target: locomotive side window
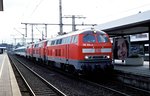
x: 59, y: 41
x: 89, y: 38
x: 36, y: 45
x: 53, y: 42
x: 66, y: 40
x: 74, y: 39
x: 102, y: 38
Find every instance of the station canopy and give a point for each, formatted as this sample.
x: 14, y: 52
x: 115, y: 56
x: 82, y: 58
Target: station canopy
x: 134, y: 24
x: 2, y: 47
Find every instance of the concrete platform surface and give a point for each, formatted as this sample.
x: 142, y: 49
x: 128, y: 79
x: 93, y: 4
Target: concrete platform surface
x: 8, y: 83
x: 138, y: 70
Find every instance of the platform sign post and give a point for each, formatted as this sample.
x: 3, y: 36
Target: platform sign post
x: 1, y: 5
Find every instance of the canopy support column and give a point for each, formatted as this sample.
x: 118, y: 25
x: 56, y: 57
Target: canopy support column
x: 149, y: 44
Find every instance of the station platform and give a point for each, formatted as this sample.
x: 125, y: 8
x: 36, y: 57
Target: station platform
x: 137, y: 76
x: 137, y: 70
x: 8, y: 83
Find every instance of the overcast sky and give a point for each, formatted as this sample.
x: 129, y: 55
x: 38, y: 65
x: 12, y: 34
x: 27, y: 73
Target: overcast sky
x: 47, y: 11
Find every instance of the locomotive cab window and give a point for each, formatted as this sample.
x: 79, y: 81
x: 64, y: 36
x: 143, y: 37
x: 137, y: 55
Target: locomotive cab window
x: 102, y: 38
x: 89, y: 38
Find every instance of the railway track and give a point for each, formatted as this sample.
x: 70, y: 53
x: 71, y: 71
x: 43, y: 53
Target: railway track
x: 73, y: 87
x: 116, y: 86
x: 135, y: 80
x: 37, y: 85
x: 113, y: 85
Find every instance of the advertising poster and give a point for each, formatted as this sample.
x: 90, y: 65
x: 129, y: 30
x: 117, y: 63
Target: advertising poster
x: 137, y: 49
x: 121, y: 48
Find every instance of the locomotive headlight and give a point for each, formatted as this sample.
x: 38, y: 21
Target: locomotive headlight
x: 86, y: 57
x: 108, y: 56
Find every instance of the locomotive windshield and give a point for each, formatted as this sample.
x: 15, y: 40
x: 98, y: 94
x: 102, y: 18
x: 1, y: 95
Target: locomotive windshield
x: 93, y: 36
x: 89, y: 38
x: 102, y: 38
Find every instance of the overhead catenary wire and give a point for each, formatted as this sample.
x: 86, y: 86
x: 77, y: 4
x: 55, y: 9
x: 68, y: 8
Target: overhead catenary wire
x: 128, y: 10
x: 36, y: 7
x: 39, y: 31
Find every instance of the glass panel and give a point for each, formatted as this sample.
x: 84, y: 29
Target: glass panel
x: 76, y: 39
x: 102, y: 38
x: 89, y: 38
x: 73, y: 37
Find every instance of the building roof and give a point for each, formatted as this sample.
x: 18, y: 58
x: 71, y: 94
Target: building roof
x: 2, y: 47
x: 139, y: 21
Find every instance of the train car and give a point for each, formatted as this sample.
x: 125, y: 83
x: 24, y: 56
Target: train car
x: 81, y: 51
x: 36, y: 54
x: 39, y: 50
x: 42, y: 50
x: 29, y: 51
x: 21, y: 51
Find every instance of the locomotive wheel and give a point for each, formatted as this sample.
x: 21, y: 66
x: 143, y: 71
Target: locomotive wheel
x: 46, y: 62
x: 69, y: 68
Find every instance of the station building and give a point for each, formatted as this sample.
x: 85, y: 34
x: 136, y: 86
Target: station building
x: 133, y: 29
x: 2, y: 49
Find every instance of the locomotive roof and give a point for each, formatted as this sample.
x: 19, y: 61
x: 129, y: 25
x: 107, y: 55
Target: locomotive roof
x: 73, y: 33
x: 36, y: 42
x: 22, y: 47
x: 40, y: 42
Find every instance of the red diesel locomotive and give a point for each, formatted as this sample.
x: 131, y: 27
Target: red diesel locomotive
x: 81, y: 51
x: 29, y: 51
x: 39, y: 50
